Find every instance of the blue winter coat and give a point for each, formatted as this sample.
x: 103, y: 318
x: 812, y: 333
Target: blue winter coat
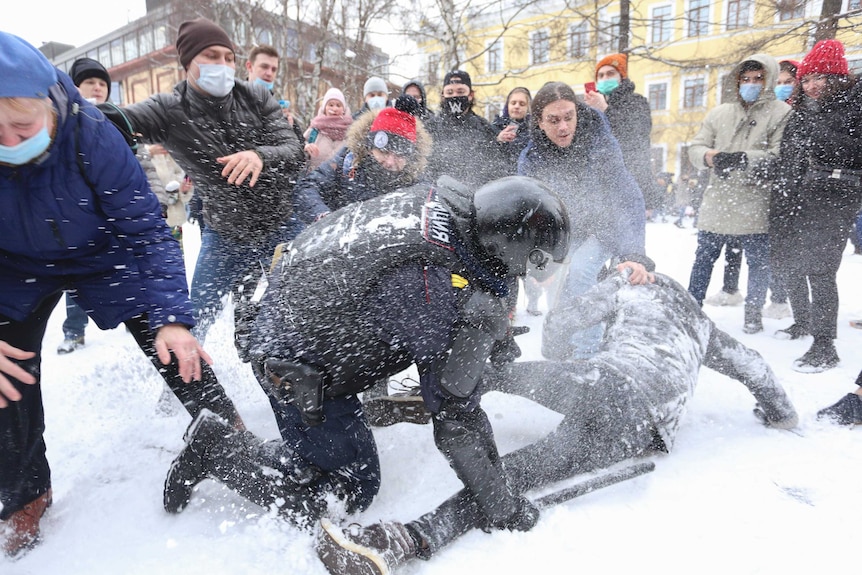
x: 108, y: 241
x: 601, y: 196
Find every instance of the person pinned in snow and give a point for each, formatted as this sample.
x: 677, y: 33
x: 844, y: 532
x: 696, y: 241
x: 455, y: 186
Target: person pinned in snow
x: 77, y: 214
x: 415, y: 277
x: 626, y: 401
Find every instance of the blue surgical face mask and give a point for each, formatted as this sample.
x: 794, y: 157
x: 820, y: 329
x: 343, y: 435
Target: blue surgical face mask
x: 25, y: 151
x: 607, y: 86
x: 750, y: 92
x: 216, y: 79
x: 783, y: 91
x: 265, y: 84
x: 376, y: 103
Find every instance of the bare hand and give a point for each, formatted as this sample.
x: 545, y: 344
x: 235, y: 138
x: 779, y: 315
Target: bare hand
x: 288, y: 115
x: 708, y: 156
x: 178, y: 339
x: 596, y: 100
x: 239, y: 166
x: 639, y: 274
x: 9, y: 367
x: 508, y: 133
x: 312, y: 150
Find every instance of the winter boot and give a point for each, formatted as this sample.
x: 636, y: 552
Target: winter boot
x: 820, y: 357
x: 70, y: 344
x: 21, y: 531
x: 777, y: 310
x: 847, y: 411
x: 795, y: 331
x: 724, y: 298
x: 188, y: 469
x: 374, y: 550
x: 753, y: 321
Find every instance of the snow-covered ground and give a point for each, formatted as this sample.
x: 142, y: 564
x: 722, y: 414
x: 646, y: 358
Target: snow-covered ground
x: 733, y: 497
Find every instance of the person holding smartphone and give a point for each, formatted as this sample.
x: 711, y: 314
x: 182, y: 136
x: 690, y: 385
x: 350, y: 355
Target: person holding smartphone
x: 328, y: 129
x: 513, y: 124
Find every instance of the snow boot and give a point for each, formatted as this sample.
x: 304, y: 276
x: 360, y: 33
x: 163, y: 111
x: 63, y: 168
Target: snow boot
x: 847, y: 411
x: 187, y: 469
x: 70, y: 344
x: 777, y: 310
x: 795, y: 331
x: 820, y: 357
x: 753, y: 320
x: 723, y: 298
x: 374, y: 550
x: 21, y: 530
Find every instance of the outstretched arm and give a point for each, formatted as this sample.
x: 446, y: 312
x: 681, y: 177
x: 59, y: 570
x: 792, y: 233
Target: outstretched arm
x: 729, y: 357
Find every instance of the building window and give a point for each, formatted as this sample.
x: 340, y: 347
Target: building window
x: 579, y: 41
x: 130, y: 42
x: 145, y: 40
x: 117, y: 56
x: 790, y: 9
x: 432, y: 69
x: 661, y: 25
x: 105, y: 56
x: 494, y: 57
x: 609, y: 35
x: 657, y: 96
x: 292, y: 44
x: 540, y: 47
x: 697, y: 18
x: 738, y: 14
x: 694, y: 93
x: 160, y: 36
x: 264, y: 36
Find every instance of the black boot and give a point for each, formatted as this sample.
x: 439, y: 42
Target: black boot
x: 847, y: 411
x: 820, y: 357
x: 374, y: 550
x: 187, y: 470
x: 753, y: 320
x: 795, y: 331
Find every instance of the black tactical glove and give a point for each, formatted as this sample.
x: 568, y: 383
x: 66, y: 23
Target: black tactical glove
x: 726, y: 162
x: 506, y: 350
x: 524, y: 518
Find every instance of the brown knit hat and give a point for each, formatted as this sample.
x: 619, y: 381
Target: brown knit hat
x: 618, y: 61
x: 195, y: 36
x: 826, y: 57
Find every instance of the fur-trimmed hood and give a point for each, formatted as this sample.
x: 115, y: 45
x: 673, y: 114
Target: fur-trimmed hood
x: 357, y: 142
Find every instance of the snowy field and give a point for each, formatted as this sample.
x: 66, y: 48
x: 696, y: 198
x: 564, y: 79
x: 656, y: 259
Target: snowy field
x: 732, y: 498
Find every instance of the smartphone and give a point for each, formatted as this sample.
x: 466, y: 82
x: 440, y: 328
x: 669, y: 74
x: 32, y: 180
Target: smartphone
x: 284, y: 104
x: 590, y: 87
x: 312, y: 136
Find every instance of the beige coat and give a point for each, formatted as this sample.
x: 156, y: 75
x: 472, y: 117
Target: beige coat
x: 739, y: 204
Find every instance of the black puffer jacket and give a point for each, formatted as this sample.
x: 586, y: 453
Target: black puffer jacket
x: 196, y: 130
x: 631, y: 123
x: 812, y: 206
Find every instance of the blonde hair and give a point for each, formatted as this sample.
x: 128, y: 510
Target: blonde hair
x: 26, y: 104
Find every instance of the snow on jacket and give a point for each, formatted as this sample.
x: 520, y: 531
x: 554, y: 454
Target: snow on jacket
x: 197, y: 129
x: 656, y: 339
x: 465, y: 148
x: 631, y: 124
x: 353, y: 175
x: 812, y: 211
x: 600, y: 194
x: 739, y: 204
x: 109, y: 240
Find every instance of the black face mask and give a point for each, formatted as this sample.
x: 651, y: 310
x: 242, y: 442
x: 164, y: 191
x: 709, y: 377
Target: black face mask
x: 382, y: 179
x: 457, y: 106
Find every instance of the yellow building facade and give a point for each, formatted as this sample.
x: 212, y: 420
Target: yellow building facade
x: 679, y: 53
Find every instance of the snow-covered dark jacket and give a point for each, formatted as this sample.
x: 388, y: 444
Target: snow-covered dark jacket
x: 631, y: 124
x: 465, y: 148
x: 812, y: 204
x: 353, y: 175
x: 600, y: 194
x: 321, y: 302
x: 512, y: 150
x: 197, y: 129
x: 107, y: 239
x: 656, y: 339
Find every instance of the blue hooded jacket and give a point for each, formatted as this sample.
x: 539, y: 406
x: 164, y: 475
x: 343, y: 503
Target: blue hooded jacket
x: 102, y: 235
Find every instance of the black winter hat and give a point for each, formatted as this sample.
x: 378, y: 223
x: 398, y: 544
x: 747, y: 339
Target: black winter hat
x: 194, y: 36
x: 84, y: 68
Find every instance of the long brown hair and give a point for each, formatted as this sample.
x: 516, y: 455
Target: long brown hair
x: 548, y: 94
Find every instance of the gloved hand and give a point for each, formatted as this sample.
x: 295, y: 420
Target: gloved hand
x: 726, y: 162
x: 524, y: 518
x: 506, y: 350
x: 787, y: 422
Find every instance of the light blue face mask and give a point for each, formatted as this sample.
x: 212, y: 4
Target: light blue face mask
x: 376, y: 103
x: 607, y: 86
x: 216, y: 79
x: 29, y: 149
x: 783, y: 91
x: 750, y: 92
x: 267, y: 85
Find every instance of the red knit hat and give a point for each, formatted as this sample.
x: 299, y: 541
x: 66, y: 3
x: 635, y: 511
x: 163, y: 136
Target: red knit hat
x: 393, y: 130
x: 826, y: 57
x: 618, y: 61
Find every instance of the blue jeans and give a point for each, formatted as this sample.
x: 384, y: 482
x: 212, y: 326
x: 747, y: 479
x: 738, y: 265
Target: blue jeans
x: 222, y: 267
x: 756, y: 249
x: 586, y: 262
x: 76, y: 319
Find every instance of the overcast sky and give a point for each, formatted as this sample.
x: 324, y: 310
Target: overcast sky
x: 70, y: 22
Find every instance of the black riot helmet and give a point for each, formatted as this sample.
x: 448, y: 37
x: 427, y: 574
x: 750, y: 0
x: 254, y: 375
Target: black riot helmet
x: 519, y: 219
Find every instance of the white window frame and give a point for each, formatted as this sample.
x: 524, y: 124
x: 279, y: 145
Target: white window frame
x: 749, y: 19
x: 688, y: 22
x: 666, y: 82
x: 571, y: 45
x: 547, y: 40
x: 682, y: 88
x: 495, y: 46
x: 669, y: 22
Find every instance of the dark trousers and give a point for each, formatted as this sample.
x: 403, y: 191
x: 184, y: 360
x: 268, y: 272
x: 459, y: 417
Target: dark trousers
x: 76, y: 319
x: 24, y: 470
x: 814, y: 301
x: 756, y: 247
